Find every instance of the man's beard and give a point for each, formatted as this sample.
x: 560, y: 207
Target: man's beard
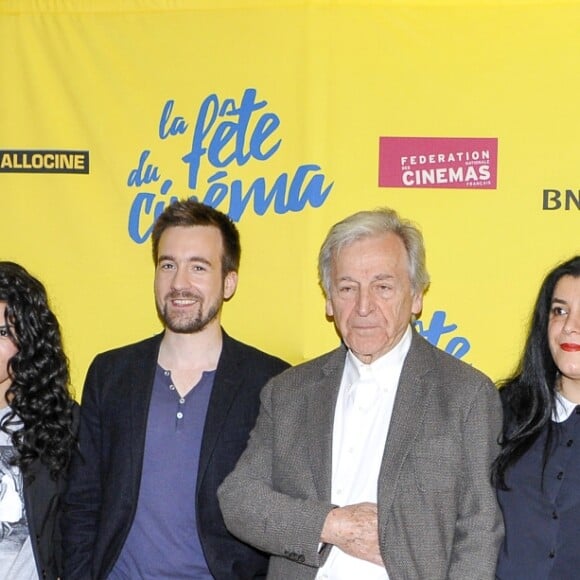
x: 185, y: 323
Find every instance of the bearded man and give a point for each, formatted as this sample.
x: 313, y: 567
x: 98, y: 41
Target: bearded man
x: 164, y: 421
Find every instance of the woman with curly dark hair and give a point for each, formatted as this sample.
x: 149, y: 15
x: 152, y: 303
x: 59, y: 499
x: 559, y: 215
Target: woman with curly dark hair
x: 537, y: 473
x: 37, y: 428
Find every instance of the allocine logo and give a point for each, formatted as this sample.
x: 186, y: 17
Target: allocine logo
x: 438, y: 162
x: 43, y: 161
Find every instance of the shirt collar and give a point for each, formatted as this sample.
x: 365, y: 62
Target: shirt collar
x: 394, y: 359
x: 563, y: 408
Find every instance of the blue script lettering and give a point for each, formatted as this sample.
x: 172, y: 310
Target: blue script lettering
x: 228, y: 143
x: 284, y: 198
x: 227, y: 132
x: 143, y: 174
x: 143, y: 207
x: 178, y: 125
x: 458, y: 346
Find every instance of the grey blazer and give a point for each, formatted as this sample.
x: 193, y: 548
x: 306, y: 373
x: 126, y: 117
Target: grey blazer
x: 438, y: 516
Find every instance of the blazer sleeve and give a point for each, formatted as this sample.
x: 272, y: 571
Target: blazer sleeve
x: 253, y: 509
x: 82, y: 500
x: 57, y: 540
x: 479, y: 525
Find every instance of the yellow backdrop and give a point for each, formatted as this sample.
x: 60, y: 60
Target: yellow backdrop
x: 283, y: 114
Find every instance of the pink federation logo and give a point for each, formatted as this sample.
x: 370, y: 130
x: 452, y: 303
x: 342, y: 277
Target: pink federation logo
x: 438, y: 162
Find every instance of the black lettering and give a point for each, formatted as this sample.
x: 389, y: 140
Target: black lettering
x: 551, y: 199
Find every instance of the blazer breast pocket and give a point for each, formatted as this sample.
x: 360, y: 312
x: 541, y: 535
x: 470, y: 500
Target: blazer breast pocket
x: 437, y: 464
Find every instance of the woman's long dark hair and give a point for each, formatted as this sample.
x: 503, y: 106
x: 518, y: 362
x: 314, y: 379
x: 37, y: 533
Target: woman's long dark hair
x: 38, y: 395
x: 529, y: 396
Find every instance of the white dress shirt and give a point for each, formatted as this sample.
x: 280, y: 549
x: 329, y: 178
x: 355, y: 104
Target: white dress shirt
x: 563, y: 408
x: 361, y: 421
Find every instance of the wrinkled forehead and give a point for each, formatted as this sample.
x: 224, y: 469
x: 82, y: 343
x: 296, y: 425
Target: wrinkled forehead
x: 386, y: 247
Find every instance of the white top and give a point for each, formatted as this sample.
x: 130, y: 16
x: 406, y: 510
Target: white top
x: 361, y: 422
x: 16, y: 555
x: 563, y: 408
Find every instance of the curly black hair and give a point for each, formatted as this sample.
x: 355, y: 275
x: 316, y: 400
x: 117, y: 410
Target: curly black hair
x: 40, y: 421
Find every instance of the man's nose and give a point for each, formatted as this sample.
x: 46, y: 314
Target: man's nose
x: 365, y: 302
x: 180, y: 278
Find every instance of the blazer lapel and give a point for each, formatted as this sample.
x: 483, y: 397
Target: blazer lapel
x: 143, y: 367
x: 320, y: 420
x: 408, y: 413
x: 228, y: 380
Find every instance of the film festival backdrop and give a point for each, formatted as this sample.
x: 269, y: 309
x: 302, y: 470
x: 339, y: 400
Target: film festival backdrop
x: 290, y: 115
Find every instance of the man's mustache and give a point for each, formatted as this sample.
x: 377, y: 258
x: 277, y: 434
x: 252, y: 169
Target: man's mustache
x: 183, y: 295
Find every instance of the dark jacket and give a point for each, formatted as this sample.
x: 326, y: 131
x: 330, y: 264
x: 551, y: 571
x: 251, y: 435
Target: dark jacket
x: 42, y: 498
x: 101, y: 500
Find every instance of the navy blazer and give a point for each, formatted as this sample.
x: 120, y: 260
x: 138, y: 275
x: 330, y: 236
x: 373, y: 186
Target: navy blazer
x: 104, y: 478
